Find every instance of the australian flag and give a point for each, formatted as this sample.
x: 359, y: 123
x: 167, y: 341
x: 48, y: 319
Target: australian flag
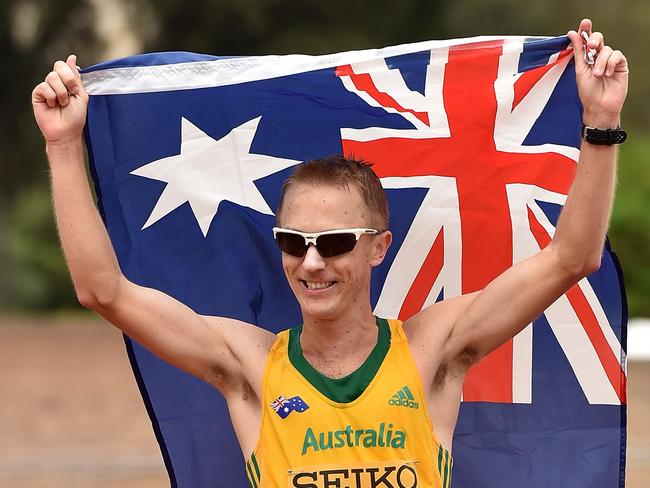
x: 284, y: 406
x: 476, y: 142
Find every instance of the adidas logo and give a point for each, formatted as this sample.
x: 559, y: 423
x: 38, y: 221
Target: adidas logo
x: 403, y: 398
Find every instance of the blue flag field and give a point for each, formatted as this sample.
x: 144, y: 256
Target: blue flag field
x: 476, y: 144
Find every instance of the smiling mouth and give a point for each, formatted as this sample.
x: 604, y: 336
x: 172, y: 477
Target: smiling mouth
x: 317, y: 285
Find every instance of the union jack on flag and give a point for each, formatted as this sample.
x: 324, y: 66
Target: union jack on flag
x: 278, y: 403
x: 476, y: 143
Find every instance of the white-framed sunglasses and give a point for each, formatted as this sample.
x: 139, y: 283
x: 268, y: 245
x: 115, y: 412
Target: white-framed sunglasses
x: 328, y: 243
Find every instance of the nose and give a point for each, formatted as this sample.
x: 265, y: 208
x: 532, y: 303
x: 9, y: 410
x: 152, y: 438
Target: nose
x: 313, y: 261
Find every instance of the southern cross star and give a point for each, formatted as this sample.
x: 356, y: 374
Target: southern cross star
x: 208, y: 171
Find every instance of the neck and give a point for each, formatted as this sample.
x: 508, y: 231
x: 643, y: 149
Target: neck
x: 336, y: 346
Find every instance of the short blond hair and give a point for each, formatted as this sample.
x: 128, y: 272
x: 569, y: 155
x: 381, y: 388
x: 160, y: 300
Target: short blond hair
x: 339, y: 170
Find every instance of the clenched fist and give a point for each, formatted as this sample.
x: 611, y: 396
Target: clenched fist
x: 60, y: 103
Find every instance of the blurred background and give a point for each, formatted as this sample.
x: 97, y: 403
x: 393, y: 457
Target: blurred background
x: 48, y: 436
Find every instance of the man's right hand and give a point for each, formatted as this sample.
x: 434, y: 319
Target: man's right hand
x: 60, y: 103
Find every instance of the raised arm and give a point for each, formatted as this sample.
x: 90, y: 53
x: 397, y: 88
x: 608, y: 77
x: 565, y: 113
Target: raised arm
x: 471, y: 326
x: 207, y: 347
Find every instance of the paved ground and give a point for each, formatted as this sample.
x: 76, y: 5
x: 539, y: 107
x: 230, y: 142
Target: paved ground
x: 71, y: 415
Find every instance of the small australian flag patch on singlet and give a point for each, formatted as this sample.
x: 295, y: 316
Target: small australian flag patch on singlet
x: 283, y: 406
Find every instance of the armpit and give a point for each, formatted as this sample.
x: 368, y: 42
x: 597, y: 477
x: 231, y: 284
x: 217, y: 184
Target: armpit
x: 454, y: 369
x: 217, y: 377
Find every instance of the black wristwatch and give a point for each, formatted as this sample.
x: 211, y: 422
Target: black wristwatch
x: 603, y: 137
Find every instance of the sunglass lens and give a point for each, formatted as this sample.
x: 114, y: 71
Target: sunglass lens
x: 291, y: 244
x: 329, y: 245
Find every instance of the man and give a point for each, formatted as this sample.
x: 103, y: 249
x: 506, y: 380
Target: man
x: 332, y: 230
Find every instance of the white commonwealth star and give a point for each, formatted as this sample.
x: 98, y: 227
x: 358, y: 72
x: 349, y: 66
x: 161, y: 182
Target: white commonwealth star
x: 208, y: 171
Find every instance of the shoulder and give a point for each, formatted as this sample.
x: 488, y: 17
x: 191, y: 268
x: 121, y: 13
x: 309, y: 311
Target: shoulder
x: 437, y: 320
x: 237, y: 332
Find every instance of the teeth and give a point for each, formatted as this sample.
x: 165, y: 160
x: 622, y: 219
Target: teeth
x: 318, y: 285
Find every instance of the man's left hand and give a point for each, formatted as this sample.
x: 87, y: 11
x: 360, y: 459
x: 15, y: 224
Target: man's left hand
x: 602, y: 86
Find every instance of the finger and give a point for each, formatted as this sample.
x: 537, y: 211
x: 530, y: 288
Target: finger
x: 585, y: 25
x: 44, y: 93
x: 601, y: 61
x: 617, y: 63
x: 72, y: 63
x: 54, y: 80
x: 67, y: 76
x: 577, y: 43
x: 596, y: 41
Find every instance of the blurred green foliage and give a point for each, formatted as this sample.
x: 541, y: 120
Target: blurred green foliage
x: 629, y: 231
x: 39, y: 277
x: 33, y: 33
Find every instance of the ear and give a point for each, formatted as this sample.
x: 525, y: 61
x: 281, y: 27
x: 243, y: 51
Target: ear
x: 380, y: 248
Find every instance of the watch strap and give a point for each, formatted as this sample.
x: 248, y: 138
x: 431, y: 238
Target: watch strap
x: 603, y: 137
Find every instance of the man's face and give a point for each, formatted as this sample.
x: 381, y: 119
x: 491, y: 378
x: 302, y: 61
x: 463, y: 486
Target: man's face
x: 335, y: 287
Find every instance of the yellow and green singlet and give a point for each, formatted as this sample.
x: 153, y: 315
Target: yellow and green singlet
x: 370, y: 428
